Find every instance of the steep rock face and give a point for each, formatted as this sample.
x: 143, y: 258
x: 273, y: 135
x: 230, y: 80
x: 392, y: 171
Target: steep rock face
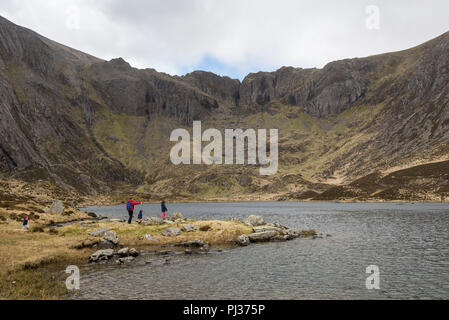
x: 147, y: 92
x: 225, y: 89
x: 333, y: 89
x: 260, y: 88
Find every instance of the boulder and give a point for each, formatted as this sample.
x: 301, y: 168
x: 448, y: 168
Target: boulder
x: 255, y: 221
x: 125, y: 260
x: 104, y: 244
x: 189, y: 228
x: 99, y: 232
x: 175, y: 216
x: 92, y: 214
x: 152, y: 221
x: 268, y: 228
x: 101, y: 255
x: 243, y: 240
x: 262, y: 236
x: 133, y: 252
x: 171, y: 232
x: 123, y: 252
x: 150, y: 238
x: 57, y: 207
x: 112, y: 237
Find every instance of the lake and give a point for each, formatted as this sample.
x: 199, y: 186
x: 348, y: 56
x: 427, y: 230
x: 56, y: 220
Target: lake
x: 408, y: 242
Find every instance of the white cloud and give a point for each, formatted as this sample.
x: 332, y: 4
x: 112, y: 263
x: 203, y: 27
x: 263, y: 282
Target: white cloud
x: 246, y: 35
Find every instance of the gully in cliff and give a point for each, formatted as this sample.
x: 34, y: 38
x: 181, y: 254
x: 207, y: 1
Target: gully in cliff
x: 213, y: 152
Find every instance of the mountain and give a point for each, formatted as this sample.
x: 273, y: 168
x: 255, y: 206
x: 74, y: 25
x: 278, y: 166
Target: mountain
x: 102, y: 127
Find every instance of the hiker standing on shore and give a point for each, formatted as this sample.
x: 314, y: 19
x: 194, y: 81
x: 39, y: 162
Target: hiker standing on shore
x: 130, y: 207
x: 163, y: 209
x: 25, y: 224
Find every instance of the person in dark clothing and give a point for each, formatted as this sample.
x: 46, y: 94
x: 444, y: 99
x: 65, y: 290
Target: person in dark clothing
x: 140, y: 217
x: 130, y: 207
x: 163, y: 209
x: 25, y: 224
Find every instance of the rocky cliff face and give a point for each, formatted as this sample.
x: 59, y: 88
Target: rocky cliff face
x: 91, y: 124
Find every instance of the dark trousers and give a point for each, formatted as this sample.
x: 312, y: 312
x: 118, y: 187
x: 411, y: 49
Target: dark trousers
x: 130, y: 212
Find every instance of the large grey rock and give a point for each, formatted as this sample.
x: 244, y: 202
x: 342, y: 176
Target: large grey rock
x: 175, y: 216
x: 104, y: 244
x: 243, y: 240
x: 171, y: 232
x: 112, y: 237
x: 108, y: 253
x: 254, y: 220
x: 189, y: 228
x: 123, y: 252
x: 262, y: 236
x: 133, y: 252
x: 99, y: 232
x: 57, y: 207
x: 152, y: 221
x: 269, y: 228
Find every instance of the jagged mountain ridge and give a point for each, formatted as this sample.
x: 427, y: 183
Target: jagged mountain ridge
x: 92, y: 124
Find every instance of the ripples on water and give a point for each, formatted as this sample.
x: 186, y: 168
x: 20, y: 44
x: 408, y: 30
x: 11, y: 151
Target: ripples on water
x: 409, y: 243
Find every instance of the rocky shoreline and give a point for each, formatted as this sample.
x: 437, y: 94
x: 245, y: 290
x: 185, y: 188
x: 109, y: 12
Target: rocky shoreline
x: 110, y: 249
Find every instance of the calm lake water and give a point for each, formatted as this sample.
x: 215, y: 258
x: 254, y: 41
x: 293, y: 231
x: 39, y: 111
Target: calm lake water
x: 408, y: 242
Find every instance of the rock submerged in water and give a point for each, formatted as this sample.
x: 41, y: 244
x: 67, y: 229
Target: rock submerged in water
x: 101, y: 255
x: 125, y: 260
x: 243, y: 240
x: 193, y: 244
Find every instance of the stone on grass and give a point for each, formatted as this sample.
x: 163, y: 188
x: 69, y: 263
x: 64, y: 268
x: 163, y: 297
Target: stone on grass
x: 99, y: 232
x: 150, y: 238
x: 112, y: 237
x: 189, y: 228
x: 57, y: 207
x: 171, y: 232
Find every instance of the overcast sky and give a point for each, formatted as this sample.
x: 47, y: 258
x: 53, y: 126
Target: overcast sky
x: 232, y: 37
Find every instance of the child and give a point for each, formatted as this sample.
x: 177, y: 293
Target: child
x: 25, y: 224
x: 140, y: 217
x: 164, y: 209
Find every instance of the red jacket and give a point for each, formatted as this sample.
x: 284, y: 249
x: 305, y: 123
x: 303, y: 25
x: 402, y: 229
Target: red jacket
x: 132, y: 204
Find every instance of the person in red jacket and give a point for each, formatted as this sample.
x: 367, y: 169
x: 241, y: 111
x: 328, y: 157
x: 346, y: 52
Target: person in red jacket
x: 130, y: 207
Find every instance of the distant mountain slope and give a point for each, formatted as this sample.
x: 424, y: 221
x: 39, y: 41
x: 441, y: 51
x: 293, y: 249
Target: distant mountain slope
x: 98, y: 126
